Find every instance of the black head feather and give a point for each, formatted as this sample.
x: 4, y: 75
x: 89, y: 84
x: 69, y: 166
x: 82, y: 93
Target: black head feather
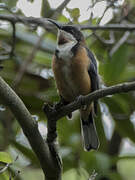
x: 74, y: 31
x: 70, y: 29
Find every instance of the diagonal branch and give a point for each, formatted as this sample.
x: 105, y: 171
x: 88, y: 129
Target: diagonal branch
x: 122, y: 40
x: 85, y: 100
x: 59, y: 9
x: 53, y: 114
x: 14, y: 39
x: 48, y: 162
x: 5, y: 168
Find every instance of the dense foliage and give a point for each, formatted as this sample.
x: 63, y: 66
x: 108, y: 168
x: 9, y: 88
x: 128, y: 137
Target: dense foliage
x: 28, y: 71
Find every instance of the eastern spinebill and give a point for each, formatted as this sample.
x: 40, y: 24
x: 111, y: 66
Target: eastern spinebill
x: 75, y: 72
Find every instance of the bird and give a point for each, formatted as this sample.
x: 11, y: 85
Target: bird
x: 75, y: 72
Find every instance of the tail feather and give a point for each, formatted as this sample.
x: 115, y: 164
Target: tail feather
x: 89, y: 134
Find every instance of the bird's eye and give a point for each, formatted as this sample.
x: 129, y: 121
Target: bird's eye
x: 62, y: 41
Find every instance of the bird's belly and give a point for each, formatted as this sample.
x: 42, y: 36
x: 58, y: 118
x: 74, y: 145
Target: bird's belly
x: 67, y: 87
x: 72, y: 84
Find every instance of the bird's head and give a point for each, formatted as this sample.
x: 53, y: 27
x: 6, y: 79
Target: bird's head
x: 68, y: 40
x: 68, y: 33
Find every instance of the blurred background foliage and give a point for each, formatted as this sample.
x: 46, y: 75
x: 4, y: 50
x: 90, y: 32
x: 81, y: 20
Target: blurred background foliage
x: 28, y: 72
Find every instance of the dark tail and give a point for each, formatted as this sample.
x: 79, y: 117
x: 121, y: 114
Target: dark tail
x: 89, y: 134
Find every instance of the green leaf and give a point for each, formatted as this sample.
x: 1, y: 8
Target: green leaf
x: 4, y: 176
x: 63, y: 19
x: 129, y: 73
x: 113, y: 68
x: 125, y: 128
x: 28, y: 153
x: 94, y: 21
x: 126, y: 168
x: 72, y: 174
x: 32, y: 174
x: 119, y: 109
x: 118, y: 159
x: 5, y: 157
x: 114, y: 176
x: 95, y: 160
x: 74, y: 14
x: 11, y: 4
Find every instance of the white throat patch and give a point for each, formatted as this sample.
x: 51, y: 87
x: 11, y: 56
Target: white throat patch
x: 65, y: 52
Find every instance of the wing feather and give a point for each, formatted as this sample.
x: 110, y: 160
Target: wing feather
x: 93, y: 73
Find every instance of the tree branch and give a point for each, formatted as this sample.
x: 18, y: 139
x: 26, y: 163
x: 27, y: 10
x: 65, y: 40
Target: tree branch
x: 63, y: 4
x: 105, y: 41
x: 59, y: 9
x: 50, y: 161
x: 14, y: 39
x: 53, y: 114
x: 85, y: 100
x: 5, y: 168
x: 48, y: 26
x: 49, y: 164
x: 122, y: 40
x: 115, y: 27
x: 46, y: 153
x: 26, y: 20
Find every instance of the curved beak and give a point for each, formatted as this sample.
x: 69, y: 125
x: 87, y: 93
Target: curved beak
x: 55, y: 23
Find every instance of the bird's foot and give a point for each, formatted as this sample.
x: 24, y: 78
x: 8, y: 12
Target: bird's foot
x: 79, y: 99
x: 59, y: 105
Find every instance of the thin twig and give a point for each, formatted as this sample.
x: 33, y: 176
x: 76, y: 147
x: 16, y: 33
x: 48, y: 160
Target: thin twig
x: 93, y: 4
x: 25, y: 64
x: 115, y: 27
x: 63, y: 5
x: 59, y: 9
x: 107, y: 7
x: 13, y: 39
x: 48, y: 26
x: 105, y: 41
x: 119, y: 43
x: 5, y: 168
